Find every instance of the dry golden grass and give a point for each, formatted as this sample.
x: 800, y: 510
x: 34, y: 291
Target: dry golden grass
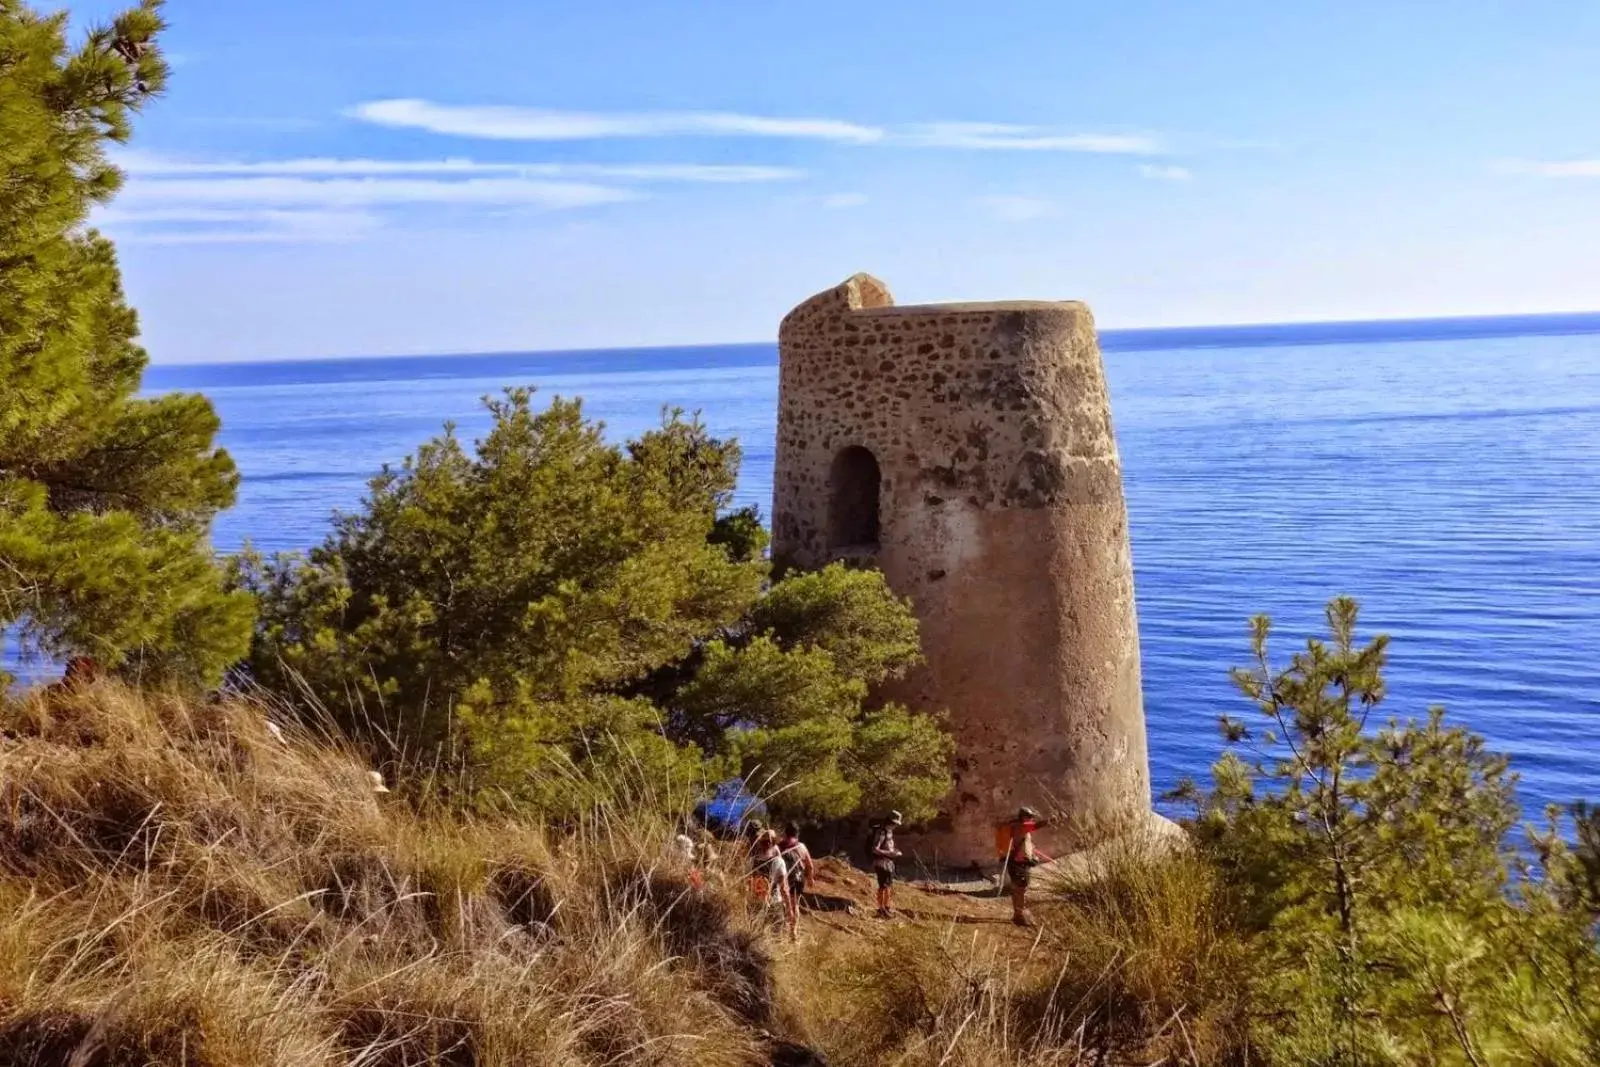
x: 1139, y: 966
x: 920, y: 996
x: 177, y: 885
x: 1149, y: 963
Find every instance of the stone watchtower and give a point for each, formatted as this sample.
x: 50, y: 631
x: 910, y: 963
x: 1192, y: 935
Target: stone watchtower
x: 966, y: 450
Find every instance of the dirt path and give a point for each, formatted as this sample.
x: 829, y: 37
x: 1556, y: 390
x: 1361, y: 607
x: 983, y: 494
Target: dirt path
x: 841, y: 901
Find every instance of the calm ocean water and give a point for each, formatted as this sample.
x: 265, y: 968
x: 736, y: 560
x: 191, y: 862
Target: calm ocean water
x: 1446, y: 474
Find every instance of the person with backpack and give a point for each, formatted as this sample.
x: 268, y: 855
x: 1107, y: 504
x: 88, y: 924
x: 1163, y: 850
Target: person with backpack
x: 771, y: 874
x: 797, y: 858
x: 705, y: 857
x: 881, y: 848
x: 755, y: 876
x: 1021, y: 858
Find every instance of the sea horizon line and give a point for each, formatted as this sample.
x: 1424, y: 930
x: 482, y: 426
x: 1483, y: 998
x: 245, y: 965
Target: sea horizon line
x: 1124, y: 339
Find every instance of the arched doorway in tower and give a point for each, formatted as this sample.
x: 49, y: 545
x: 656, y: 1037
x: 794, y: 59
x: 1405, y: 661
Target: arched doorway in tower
x: 853, y: 485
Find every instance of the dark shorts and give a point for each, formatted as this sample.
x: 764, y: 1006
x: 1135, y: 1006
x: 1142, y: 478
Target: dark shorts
x: 1020, y: 875
x: 885, y: 876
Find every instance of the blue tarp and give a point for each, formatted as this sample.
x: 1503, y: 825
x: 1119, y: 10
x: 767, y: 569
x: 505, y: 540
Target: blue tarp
x: 729, y: 807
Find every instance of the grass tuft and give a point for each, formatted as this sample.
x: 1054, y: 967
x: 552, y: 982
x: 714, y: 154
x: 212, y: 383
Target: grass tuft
x: 178, y: 885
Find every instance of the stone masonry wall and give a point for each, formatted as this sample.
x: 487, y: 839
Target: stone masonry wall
x: 1001, y: 515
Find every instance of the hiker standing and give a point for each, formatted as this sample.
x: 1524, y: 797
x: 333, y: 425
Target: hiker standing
x: 769, y: 872
x: 797, y: 858
x: 884, y: 853
x: 1021, y: 858
x: 757, y: 874
x: 705, y: 857
x: 680, y: 853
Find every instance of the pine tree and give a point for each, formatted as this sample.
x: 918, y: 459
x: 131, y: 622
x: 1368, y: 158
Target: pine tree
x: 1392, y: 918
x: 547, y: 600
x: 106, y: 499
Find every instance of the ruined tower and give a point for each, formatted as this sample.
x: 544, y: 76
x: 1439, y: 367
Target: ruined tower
x: 966, y: 450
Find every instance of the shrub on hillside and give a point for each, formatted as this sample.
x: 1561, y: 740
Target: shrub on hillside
x: 548, y: 611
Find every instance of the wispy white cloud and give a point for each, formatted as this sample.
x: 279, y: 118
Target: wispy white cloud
x: 145, y: 165
x: 714, y: 173
x: 1566, y: 168
x: 176, y: 200
x: 491, y: 122
x: 199, y: 201
x: 205, y: 225
x: 1012, y: 208
x: 844, y: 200
x: 1001, y: 137
x: 368, y: 192
x: 1165, y: 173
x: 209, y: 214
x: 540, y: 124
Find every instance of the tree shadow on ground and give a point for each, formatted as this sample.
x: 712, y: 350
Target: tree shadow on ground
x: 824, y: 902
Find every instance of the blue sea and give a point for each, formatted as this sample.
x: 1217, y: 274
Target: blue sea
x: 1445, y: 473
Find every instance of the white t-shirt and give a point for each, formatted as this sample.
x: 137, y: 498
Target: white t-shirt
x: 777, y: 873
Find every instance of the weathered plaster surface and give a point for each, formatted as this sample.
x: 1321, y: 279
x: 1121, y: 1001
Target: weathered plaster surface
x: 1001, y: 515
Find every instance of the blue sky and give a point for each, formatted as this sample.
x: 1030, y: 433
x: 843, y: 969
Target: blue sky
x: 364, y: 177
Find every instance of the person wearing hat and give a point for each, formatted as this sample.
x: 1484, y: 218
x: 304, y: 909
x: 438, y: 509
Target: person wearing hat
x: 1021, y: 858
x: 884, y: 853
